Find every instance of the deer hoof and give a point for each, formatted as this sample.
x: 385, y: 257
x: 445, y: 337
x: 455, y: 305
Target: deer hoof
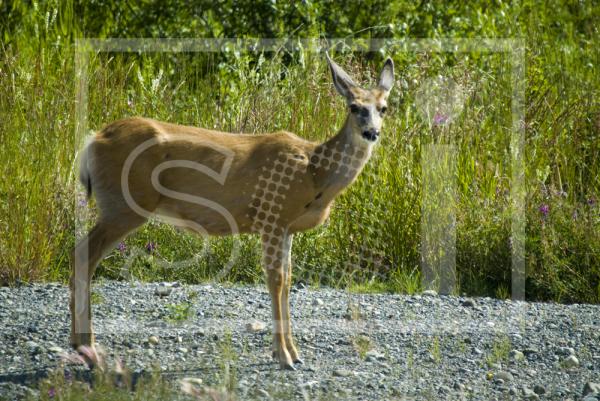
x: 298, y: 361
x: 287, y: 366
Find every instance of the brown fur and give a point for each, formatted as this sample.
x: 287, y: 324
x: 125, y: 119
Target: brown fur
x: 305, y: 204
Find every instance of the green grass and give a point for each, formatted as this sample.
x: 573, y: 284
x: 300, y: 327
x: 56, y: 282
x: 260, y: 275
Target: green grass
x: 372, y: 239
x: 179, y: 312
x: 500, y: 351
x: 435, y: 349
x: 362, y: 344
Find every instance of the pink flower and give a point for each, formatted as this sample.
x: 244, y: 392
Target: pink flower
x: 440, y: 119
x: 151, y: 247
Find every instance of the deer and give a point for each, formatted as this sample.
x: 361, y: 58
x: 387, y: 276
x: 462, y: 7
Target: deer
x: 217, y: 183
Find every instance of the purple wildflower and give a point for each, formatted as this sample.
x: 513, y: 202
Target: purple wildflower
x: 440, y: 119
x: 82, y: 202
x: 151, y: 247
x: 591, y: 202
x: 51, y: 392
x: 122, y: 247
x: 544, y: 210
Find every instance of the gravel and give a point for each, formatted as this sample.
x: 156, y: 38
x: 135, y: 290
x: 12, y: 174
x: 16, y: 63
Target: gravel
x: 354, y: 346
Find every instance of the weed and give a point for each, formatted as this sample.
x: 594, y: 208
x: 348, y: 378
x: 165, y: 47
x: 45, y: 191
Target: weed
x: 362, y: 345
x: 179, y: 312
x: 500, y: 350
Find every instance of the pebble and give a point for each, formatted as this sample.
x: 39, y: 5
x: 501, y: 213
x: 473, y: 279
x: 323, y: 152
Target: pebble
x: 342, y: 373
x: 429, y: 293
x: 317, y: 302
x: 153, y: 340
x: 255, y: 326
x: 591, y: 388
x: 56, y: 350
x: 163, y: 290
x: 529, y: 394
x: 539, y: 389
x: 505, y: 376
x: 571, y: 362
x: 469, y: 303
x: 530, y: 351
x: 444, y: 389
x: 565, y: 351
x: 516, y: 355
x: 459, y: 386
x: 374, y: 355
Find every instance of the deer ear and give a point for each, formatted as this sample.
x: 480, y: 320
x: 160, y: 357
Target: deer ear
x: 341, y: 80
x: 386, y: 79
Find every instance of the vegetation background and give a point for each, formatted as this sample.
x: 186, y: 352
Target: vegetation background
x: 372, y: 240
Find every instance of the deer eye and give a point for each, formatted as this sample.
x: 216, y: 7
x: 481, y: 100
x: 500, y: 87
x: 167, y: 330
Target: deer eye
x: 383, y: 110
x: 354, y: 109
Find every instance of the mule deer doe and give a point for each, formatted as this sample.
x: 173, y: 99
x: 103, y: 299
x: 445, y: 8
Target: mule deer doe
x: 274, y: 185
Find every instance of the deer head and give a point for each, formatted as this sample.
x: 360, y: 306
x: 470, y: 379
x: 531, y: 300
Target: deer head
x: 367, y: 106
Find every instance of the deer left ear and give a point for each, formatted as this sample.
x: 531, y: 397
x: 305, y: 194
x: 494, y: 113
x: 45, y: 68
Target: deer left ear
x: 341, y: 80
x: 386, y: 79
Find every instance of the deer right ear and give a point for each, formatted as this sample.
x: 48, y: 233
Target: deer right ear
x: 341, y: 80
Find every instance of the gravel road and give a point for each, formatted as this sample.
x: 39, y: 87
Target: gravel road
x: 354, y: 346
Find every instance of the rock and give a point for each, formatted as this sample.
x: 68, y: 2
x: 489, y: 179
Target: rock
x: 163, y: 290
x: 512, y: 390
x: 539, y: 389
x: 153, y: 340
x: 255, y: 326
x: 150, y: 352
x: 317, y: 302
x: 56, y: 350
x: 429, y: 293
x: 505, y: 376
x: 529, y: 394
x: 342, y: 373
x: 516, y: 355
x: 182, y: 350
x: 591, y: 388
x: 469, y: 303
x: 444, y: 389
x: 374, y: 355
x: 192, y: 380
x: 301, y: 285
x: 459, y: 386
x: 33, y: 347
x: 530, y: 351
x: 571, y: 362
x: 565, y: 351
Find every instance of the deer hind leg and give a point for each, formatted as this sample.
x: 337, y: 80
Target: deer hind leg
x: 285, y: 303
x: 274, y: 262
x: 87, y: 254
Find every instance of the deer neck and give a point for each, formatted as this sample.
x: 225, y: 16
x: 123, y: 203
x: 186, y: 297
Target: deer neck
x: 340, y: 159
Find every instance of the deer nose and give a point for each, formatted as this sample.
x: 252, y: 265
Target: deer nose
x: 370, y: 134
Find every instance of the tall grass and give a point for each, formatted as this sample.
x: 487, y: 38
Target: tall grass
x: 372, y: 239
